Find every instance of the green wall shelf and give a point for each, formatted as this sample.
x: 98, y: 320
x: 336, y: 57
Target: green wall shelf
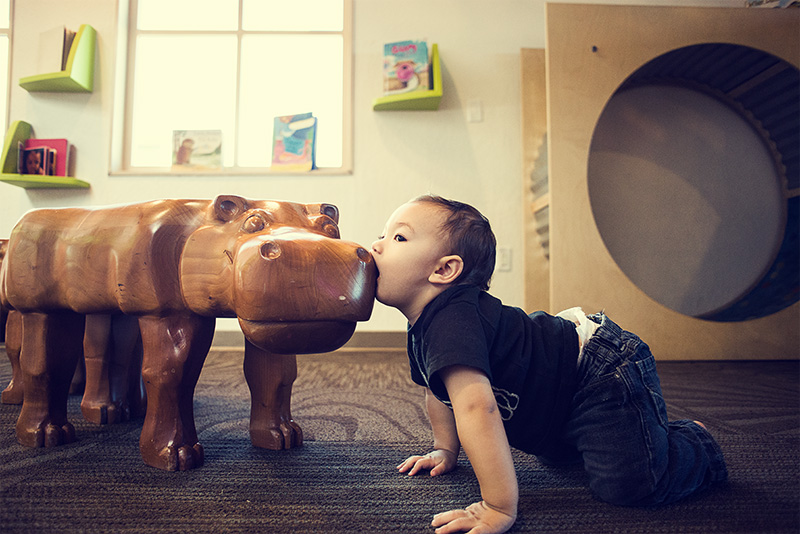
x: 78, y: 76
x: 21, y: 131
x: 416, y: 100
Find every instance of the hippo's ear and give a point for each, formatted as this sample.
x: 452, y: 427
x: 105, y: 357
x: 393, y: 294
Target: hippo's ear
x: 331, y: 211
x: 228, y: 207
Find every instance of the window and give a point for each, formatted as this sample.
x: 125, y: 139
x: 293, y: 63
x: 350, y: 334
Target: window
x: 235, y: 65
x: 5, y: 17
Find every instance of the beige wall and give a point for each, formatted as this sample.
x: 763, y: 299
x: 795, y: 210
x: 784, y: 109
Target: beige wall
x: 396, y: 155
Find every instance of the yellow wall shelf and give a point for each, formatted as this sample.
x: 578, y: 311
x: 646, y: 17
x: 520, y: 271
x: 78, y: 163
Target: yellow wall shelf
x: 78, y: 76
x: 18, y: 132
x: 416, y: 100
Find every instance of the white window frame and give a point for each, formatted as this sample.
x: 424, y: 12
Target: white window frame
x: 7, y: 101
x: 121, y: 148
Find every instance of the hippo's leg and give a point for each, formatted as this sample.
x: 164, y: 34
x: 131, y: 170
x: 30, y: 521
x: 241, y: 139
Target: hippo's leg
x: 13, y: 393
x: 51, y: 346
x: 175, y: 348
x: 78, y: 383
x: 3, y: 319
x: 270, y: 377
x: 109, y: 348
x: 137, y: 396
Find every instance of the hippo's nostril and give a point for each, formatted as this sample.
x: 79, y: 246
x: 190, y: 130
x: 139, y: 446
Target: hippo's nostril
x: 270, y: 250
x: 363, y: 254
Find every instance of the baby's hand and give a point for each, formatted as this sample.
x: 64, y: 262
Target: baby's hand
x: 478, y: 517
x: 439, y: 462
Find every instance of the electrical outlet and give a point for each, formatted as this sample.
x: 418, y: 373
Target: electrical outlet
x: 475, y: 111
x: 504, y: 259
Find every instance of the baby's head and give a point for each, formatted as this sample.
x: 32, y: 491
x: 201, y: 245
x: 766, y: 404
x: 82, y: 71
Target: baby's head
x: 469, y: 236
x: 33, y: 161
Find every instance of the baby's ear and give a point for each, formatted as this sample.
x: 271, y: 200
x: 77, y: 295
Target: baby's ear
x: 448, y: 270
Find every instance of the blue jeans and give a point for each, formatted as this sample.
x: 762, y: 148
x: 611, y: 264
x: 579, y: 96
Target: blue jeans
x: 618, y: 425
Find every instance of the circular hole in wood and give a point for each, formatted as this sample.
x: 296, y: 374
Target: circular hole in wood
x: 689, y: 192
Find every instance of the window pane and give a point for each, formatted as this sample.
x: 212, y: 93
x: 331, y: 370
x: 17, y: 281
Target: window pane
x: 4, y: 13
x: 182, y: 83
x: 188, y: 15
x: 286, y: 75
x: 293, y: 15
x: 3, y: 76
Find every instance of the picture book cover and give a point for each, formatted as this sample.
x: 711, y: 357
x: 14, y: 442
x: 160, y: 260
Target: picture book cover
x: 60, y: 148
x: 196, y: 150
x: 406, y: 67
x: 37, y: 160
x: 294, y: 142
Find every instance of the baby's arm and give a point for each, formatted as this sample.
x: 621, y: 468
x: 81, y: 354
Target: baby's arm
x: 445, y: 441
x: 483, y: 437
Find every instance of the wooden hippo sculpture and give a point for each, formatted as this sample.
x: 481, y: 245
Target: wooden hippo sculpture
x: 112, y: 346
x: 3, y: 311
x: 109, y: 373
x: 176, y: 265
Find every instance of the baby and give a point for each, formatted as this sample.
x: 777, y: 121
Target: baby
x: 570, y: 388
x: 33, y: 162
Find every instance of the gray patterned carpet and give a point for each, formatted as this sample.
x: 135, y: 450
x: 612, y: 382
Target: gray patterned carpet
x: 361, y: 416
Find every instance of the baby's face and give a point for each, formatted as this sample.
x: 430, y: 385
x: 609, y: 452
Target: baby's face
x: 32, y: 162
x: 407, y: 253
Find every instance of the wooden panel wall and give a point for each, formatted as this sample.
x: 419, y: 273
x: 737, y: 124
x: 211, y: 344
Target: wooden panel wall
x: 591, y: 50
x: 534, y: 164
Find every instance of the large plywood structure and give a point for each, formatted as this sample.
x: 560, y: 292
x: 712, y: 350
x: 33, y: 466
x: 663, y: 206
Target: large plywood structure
x: 535, y: 183
x: 591, y: 50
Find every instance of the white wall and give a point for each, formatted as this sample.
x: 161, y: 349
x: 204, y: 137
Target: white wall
x: 397, y: 155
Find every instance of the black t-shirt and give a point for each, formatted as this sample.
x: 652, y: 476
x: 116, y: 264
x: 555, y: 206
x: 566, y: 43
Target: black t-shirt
x: 530, y: 360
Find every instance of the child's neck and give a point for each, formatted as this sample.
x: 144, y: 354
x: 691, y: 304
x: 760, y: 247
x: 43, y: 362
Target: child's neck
x: 426, y: 297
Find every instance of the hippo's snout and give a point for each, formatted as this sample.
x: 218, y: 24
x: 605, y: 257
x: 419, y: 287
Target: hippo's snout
x: 271, y: 250
x: 301, y: 276
x: 303, y: 292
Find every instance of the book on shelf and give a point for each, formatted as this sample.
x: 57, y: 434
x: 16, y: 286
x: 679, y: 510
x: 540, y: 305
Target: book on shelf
x: 406, y: 67
x: 60, y: 151
x: 54, y: 46
x: 196, y: 150
x: 294, y: 142
x: 37, y: 161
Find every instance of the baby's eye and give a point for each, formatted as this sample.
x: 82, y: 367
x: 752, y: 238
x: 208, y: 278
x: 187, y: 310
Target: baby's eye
x: 399, y: 237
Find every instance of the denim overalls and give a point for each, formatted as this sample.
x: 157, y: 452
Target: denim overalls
x: 618, y: 424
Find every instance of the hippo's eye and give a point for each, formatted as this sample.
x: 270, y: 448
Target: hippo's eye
x: 325, y: 225
x: 330, y: 228
x: 254, y: 223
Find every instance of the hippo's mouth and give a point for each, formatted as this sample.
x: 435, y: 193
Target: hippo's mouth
x: 297, y: 337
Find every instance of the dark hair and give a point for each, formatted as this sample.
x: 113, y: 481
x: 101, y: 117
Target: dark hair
x: 469, y: 236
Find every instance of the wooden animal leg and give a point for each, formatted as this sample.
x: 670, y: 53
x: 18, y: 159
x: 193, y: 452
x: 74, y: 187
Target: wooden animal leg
x: 175, y: 348
x: 270, y: 377
x: 13, y: 393
x: 78, y: 383
x: 51, y: 346
x: 137, y: 396
x: 109, y: 348
x: 3, y: 319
